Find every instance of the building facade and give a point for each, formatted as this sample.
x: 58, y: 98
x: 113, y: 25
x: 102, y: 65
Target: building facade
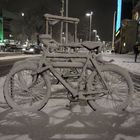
x: 136, y: 17
x: 129, y: 32
x: 5, y: 20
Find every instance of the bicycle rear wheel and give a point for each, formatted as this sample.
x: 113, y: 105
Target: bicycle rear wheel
x: 25, y: 91
x: 118, y: 96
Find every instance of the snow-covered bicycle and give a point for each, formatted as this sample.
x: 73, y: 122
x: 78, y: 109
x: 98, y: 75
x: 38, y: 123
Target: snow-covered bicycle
x: 102, y: 85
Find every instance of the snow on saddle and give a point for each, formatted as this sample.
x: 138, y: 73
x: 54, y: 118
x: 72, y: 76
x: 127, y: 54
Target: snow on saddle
x: 91, y: 45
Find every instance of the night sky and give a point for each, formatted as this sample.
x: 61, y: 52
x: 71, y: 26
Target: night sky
x: 103, y: 11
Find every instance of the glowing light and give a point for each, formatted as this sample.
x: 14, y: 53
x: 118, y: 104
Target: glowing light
x: 22, y: 14
x: 119, y: 12
x: 89, y: 14
x: 124, y: 44
x: 95, y: 31
x: 1, y: 29
x: 117, y: 33
x: 10, y: 35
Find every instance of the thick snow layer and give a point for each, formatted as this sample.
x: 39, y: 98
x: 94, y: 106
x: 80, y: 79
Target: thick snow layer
x: 125, y: 61
x: 56, y: 122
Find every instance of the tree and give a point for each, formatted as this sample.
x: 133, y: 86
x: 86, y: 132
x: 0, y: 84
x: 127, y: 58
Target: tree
x: 33, y: 21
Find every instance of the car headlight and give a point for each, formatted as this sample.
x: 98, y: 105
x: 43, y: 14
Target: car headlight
x: 23, y: 49
x: 31, y: 50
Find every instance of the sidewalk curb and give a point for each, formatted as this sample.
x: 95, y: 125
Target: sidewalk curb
x: 9, y: 54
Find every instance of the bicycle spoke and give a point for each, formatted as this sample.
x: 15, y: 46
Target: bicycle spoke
x: 117, y: 96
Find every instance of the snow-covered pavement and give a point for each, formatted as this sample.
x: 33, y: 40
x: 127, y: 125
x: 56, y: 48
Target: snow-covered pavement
x: 56, y: 122
x: 125, y: 61
x: 17, y: 56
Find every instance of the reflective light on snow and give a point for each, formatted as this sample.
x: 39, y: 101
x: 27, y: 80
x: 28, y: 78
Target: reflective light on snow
x: 75, y: 136
x: 124, y: 137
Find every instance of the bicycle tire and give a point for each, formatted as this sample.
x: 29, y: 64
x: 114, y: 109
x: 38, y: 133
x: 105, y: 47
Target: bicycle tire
x: 7, y: 90
x: 98, y: 104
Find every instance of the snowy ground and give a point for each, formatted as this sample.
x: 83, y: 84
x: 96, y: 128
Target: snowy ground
x: 125, y: 61
x: 56, y: 122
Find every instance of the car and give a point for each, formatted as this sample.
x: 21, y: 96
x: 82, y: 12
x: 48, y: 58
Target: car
x: 12, y: 48
x: 32, y: 49
x: 107, y: 52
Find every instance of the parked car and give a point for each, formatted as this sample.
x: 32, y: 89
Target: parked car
x: 12, y: 48
x: 32, y: 49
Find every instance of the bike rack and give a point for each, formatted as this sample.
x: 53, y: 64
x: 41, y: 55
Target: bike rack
x: 53, y: 19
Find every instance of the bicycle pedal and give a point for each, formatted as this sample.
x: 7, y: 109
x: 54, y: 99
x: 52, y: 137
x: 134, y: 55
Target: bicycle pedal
x: 83, y: 102
x: 71, y: 105
x: 68, y: 106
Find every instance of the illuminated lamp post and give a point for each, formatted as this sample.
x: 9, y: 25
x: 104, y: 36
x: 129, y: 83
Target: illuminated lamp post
x: 22, y: 14
x: 95, y: 34
x: 90, y: 24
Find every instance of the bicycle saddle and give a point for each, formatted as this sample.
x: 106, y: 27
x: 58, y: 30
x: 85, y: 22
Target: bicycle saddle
x: 47, y: 40
x: 45, y: 36
x: 91, y: 45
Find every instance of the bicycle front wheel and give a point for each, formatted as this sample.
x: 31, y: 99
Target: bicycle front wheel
x: 120, y: 85
x: 23, y: 90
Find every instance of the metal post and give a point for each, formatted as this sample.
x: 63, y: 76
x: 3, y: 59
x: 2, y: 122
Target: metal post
x: 90, y: 23
x: 95, y: 34
x: 51, y: 30
x: 90, y: 27
x: 47, y: 26
x: 113, y: 34
x: 75, y: 34
x: 62, y: 14
x: 66, y: 22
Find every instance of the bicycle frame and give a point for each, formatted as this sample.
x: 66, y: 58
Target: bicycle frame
x: 47, y: 66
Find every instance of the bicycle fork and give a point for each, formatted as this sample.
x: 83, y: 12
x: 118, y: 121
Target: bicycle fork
x: 94, y: 63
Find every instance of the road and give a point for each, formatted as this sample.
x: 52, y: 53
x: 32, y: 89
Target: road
x: 7, y: 62
x: 6, y: 65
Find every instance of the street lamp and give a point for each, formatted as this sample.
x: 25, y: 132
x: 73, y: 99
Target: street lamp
x: 10, y: 35
x: 98, y: 38
x: 90, y: 20
x: 95, y: 34
x: 22, y: 14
